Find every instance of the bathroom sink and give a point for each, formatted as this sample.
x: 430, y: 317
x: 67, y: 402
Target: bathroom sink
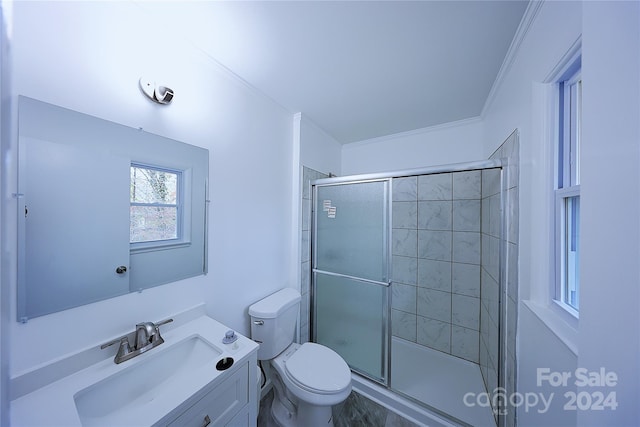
x: 126, y: 397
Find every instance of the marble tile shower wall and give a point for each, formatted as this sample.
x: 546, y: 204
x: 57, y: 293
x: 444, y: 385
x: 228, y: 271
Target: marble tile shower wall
x: 436, y: 255
x: 308, y: 175
x: 510, y: 150
x: 490, y: 277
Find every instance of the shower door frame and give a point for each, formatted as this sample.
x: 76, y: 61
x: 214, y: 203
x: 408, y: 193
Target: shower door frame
x: 386, y: 282
x: 500, y: 163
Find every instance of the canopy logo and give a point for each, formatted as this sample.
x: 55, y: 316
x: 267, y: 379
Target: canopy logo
x: 590, y: 391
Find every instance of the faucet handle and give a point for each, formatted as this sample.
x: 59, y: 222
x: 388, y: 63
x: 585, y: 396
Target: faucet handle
x: 112, y: 342
x: 164, y: 322
x: 156, y: 336
x: 123, y: 349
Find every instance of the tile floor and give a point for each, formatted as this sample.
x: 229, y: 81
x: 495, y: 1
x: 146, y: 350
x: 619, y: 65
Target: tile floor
x: 356, y: 411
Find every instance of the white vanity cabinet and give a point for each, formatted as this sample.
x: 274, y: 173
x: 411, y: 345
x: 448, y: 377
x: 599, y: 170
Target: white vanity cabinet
x: 189, y: 380
x: 219, y: 406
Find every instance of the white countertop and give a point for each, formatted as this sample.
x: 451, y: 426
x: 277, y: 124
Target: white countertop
x: 54, y: 404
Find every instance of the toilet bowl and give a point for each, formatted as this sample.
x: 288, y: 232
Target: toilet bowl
x: 314, y: 373
x: 308, y: 378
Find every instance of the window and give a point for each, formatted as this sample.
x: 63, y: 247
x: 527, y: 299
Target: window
x: 567, y: 192
x: 155, y: 204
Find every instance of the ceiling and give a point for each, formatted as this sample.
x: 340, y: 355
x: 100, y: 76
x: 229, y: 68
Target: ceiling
x: 358, y: 69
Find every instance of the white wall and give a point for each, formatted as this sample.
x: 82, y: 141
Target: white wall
x: 607, y: 334
x: 610, y: 205
x: 318, y: 150
x: 455, y: 142
x: 553, y: 31
x: 541, y: 349
x: 88, y: 56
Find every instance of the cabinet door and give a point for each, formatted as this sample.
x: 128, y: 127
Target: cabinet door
x: 241, y: 419
x: 220, y: 405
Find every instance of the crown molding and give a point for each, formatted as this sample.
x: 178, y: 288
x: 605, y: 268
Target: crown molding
x: 568, y: 59
x: 529, y: 17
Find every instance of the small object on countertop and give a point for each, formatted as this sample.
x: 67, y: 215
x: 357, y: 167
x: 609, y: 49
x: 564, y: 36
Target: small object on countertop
x: 229, y: 337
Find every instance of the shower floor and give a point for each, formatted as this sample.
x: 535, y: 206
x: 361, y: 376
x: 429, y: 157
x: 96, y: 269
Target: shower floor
x: 439, y: 380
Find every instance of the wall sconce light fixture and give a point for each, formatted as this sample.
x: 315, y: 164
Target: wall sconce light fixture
x: 156, y: 93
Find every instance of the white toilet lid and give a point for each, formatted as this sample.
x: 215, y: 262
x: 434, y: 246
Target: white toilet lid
x: 318, y: 369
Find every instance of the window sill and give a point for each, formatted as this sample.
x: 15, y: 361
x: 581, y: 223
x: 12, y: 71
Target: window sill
x: 562, y: 325
x: 570, y: 314
x: 154, y: 246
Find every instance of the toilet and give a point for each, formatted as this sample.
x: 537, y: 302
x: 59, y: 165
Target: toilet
x: 307, y: 378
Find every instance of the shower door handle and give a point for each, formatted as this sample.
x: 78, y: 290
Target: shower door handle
x: 385, y: 281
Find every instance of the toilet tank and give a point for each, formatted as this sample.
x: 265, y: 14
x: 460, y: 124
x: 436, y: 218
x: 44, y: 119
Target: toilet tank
x: 273, y: 322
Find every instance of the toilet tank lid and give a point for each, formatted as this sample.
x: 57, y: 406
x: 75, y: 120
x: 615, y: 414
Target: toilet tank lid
x: 275, y: 304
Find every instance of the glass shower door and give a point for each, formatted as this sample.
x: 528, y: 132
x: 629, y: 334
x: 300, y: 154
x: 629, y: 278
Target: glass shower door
x: 351, y: 274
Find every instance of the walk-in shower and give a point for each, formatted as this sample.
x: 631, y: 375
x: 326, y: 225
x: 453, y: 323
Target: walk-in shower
x: 408, y: 283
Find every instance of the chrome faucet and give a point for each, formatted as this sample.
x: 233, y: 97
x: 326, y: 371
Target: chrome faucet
x: 144, y: 332
x: 147, y: 336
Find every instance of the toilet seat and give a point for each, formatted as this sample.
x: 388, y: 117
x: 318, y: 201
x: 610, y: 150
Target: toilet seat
x: 318, y: 369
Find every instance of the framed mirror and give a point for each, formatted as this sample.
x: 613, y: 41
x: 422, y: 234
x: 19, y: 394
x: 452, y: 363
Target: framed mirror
x: 104, y: 209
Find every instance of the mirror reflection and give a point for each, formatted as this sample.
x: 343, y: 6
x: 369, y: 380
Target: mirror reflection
x: 104, y: 209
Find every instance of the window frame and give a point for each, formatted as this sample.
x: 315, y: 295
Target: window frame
x: 567, y: 175
x: 183, y: 213
x: 179, y: 205
x: 562, y: 195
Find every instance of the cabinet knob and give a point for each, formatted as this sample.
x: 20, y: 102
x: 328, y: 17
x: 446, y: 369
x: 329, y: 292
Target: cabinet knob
x: 121, y: 270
